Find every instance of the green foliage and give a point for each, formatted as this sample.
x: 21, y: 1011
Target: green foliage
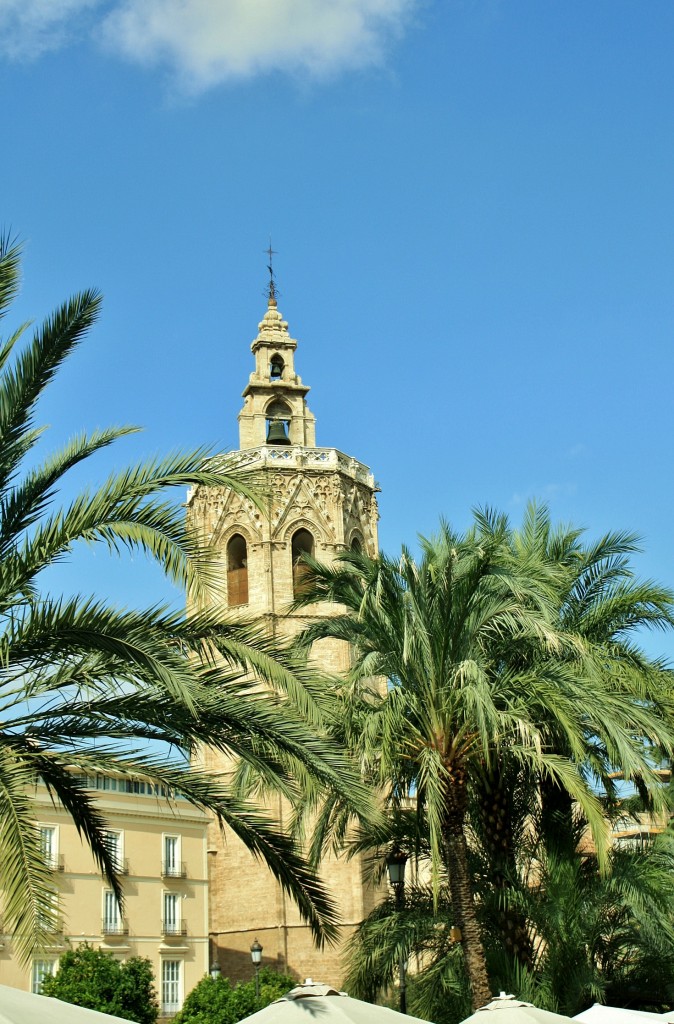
x: 516, y: 684
x: 89, y: 977
x: 217, y: 1001
x: 599, y: 937
x: 604, y: 937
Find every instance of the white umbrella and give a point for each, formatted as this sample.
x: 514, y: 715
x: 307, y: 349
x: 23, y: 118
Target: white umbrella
x: 598, y: 1014
x: 508, y: 1010
x: 18, y: 1007
x: 313, y: 1003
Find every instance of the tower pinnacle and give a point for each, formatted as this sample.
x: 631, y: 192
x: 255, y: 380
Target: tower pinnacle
x: 275, y: 396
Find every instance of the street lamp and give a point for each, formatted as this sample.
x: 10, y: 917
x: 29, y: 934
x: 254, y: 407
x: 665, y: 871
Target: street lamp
x: 214, y: 970
x: 395, y: 865
x: 256, y: 957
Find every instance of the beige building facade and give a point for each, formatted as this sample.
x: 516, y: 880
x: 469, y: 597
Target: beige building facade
x: 160, y: 846
x: 320, y: 502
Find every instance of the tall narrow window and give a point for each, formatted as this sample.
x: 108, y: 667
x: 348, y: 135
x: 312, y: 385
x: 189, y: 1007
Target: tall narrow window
x: 49, y: 846
x: 41, y: 969
x: 302, y: 544
x: 112, y: 917
x: 48, y: 913
x: 115, y: 846
x: 237, y: 571
x: 171, y: 912
x: 357, y: 544
x: 170, y: 986
x: 171, y: 864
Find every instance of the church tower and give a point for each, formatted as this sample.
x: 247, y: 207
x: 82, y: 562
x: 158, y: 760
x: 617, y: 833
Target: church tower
x: 321, y: 501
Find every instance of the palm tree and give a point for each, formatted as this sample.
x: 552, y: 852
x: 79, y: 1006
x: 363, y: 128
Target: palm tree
x: 451, y: 635
x: 602, y: 601
x: 84, y: 685
x: 617, y: 701
x: 598, y: 600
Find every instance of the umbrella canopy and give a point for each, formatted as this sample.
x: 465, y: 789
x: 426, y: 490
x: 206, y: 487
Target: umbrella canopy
x: 25, y: 1008
x: 509, y: 1010
x: 598, y: 1014
x: 313, y: 1003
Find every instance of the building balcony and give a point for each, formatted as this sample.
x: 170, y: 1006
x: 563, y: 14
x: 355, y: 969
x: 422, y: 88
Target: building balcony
x: 173, y: 928
x: 121, y: 865
x: 173, y: 869
x: 55, y: 935
x: 55, y: 863
x: 51, y: 925
x: 114, y: 927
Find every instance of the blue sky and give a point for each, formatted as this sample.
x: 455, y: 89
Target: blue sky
x: 472, y: 204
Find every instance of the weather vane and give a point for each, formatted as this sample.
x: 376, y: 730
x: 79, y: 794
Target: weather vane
x: 270, y: 267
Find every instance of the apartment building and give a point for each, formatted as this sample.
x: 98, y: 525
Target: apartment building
x: 160, y: 848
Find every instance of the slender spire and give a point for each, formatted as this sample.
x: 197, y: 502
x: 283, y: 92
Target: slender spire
x: 272, y: 283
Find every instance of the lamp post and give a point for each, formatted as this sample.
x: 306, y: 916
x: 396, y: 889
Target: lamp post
x: 256, y: 957
x: 214, y: 970
x: 395, y: 864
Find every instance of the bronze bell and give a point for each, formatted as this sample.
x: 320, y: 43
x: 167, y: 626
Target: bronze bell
x: 276, y: 433
x: 276, y: 369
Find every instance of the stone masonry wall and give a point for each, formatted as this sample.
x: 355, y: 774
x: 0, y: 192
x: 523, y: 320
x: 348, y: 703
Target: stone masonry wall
x: 336, y: 506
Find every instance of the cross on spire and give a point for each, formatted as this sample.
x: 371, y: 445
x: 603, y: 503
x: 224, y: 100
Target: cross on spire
x: 270, y: 267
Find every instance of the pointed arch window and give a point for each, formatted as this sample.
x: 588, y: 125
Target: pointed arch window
x: 237, y: 571
x: 302, y: 544
x: 278, y: 417
x: 357, y: 544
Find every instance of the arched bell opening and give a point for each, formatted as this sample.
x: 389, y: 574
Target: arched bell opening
x: 302, y: 544
x: 237, y: 571
x: 278, y: 417
x: 276, y: 365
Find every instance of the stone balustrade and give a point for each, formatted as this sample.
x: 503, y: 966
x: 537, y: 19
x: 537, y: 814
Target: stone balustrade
x: 298, y: 457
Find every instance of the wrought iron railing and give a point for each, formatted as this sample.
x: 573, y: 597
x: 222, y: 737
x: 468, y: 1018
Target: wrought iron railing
x: 173, y: 928
x: 112, y: 926
x: 173, y: 869
x: 121, y: 865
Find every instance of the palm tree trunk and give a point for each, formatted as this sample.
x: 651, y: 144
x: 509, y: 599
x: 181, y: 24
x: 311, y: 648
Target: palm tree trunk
x: 557, y: 819
x: 494, y: 807
x: 463, y: 905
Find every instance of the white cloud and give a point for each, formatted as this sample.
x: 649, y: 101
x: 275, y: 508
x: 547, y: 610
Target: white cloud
x: 205, y: 42
x: 28, y: 28
x: 546, y: 493
x: 577, y: 451
x: 210, y: 41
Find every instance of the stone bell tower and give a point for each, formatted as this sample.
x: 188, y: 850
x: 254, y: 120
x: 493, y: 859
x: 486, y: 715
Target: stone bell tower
x: 321, y: 501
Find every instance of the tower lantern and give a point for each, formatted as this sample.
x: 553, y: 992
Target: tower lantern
x: 275, y: 393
